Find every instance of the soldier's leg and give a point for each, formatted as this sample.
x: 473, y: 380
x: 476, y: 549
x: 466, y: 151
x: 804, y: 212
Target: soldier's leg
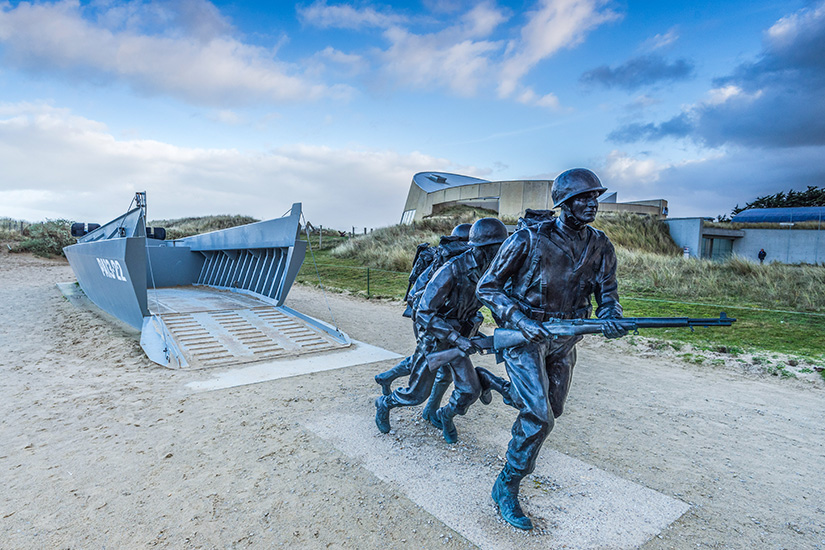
x: 560, y: 363
x: 529, y: 392
x: 386, y: 378
x: 420, y: 385
x: 490, y: 381
x: 442, y: 383
x: 466, y: 392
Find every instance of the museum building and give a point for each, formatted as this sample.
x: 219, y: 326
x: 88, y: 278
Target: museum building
x: 434, y: 192
x: 788, y: 235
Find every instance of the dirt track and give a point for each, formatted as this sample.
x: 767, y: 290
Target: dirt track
x: 101, y: 448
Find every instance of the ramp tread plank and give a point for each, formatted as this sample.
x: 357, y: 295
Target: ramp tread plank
x: 214, y: 328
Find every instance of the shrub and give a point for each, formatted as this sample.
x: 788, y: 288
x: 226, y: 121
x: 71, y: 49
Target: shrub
x: 46, y: 239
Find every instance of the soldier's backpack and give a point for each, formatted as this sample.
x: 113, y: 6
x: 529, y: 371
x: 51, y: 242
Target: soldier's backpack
x: 424, y: 257
x: 429, y: 259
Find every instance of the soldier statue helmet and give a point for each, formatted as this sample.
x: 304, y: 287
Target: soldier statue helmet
x: 487, y: 231
x: 462, y: 231
x: 574, y: 182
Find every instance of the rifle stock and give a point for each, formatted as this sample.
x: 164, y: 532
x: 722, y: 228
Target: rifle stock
x: 437, y: 359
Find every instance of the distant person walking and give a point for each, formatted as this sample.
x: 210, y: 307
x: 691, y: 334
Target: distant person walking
x: 762, y: 254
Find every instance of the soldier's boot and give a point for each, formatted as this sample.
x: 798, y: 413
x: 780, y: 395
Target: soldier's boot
x: 382, y: 414
x: 490, y: 381
x: 385, y: 379
x: 440, y: 387
x: 445, y: 416
x: 486, y: 396
x: 429, y: 413
x: 505, y: 495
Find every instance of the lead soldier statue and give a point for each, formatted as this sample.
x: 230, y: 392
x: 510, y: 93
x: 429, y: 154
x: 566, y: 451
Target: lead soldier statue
x: 545, y: 271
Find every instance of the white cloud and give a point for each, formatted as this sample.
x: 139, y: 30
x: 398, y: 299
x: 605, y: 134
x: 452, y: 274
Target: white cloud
x: 190, y: 56
x: 481, y: 20
x: 344, y: 16
x: 529, y: 97
x: 450, y: 58
x: 340, y: 57
x: 717, y: 96
x: 225, y: 116
x: 659, y: 41
x: 556, y: 24
x: 331, y: 61
x: 464, y: 55
x: 620, y: 167
x: 57, y: 165
x: 786, y: 30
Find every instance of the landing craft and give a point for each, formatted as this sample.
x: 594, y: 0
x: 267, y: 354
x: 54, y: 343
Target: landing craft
x: 212, y: 299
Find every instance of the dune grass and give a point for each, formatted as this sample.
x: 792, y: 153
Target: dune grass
x: 770, y: 286
x: 393, y: 248
x: 639, y: 233
x: 184, y: 227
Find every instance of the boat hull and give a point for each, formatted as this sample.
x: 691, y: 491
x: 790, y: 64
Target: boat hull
x: 112, y: 273
x: 122, y: 271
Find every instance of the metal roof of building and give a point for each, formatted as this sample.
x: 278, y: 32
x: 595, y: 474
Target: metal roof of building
x: 779, y: 215
x: 436, y: 181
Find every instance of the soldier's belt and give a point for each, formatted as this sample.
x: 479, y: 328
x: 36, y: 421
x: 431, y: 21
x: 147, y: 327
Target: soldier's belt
x: 540, y: 315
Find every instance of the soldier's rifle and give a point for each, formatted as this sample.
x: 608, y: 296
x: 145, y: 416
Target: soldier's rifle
x: 503, y: 338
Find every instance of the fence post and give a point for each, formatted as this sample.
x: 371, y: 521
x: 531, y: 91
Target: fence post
x: 320, y: 235
x: 368, y: 283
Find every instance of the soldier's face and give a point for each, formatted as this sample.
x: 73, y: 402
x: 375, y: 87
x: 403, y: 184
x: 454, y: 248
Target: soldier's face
x: 584, y: 207
x: 487, y: 253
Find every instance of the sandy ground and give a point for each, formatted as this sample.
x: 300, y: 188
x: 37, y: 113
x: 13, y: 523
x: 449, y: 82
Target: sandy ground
x: 99, y: 448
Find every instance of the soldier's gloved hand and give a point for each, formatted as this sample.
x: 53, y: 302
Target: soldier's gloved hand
x: 464, y: 344
x: 612, y: 329
x: 532, y: 330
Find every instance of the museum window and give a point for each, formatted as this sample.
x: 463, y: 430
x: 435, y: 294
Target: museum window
x: 408, y: 216
x: 717, y: 249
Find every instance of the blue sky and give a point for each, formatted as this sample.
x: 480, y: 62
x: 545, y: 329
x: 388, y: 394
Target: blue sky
x: 247, y: 107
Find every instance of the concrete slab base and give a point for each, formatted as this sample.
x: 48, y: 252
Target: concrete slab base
x: 572, y: 504
x: 358, y: 353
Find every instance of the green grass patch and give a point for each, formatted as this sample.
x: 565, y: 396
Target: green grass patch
x: 791, y: 333
x: 347, y: 275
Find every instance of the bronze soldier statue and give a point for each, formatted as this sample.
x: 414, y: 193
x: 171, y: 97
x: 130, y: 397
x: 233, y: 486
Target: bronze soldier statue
x: 446, y: 317
x: 428, y: 261
x: 544, y: 271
